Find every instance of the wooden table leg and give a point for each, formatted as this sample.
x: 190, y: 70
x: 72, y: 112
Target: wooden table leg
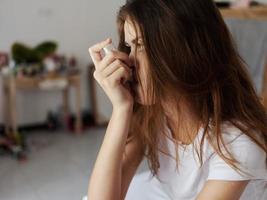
x: 66, y: 105
x: 13, y: 106
x: 78, y: 123
x: 6, y: 106
x: 264, y: 89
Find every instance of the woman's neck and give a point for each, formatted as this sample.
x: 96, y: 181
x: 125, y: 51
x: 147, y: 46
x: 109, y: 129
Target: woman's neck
x: 184, y: 125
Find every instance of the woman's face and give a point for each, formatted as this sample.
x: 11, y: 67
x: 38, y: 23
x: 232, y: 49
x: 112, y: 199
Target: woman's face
x: 134, y: 41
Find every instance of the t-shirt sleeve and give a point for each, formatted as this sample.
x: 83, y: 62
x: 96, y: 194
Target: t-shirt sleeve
x: 252, y: 160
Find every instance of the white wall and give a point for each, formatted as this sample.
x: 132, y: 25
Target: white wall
x: 74, y: 24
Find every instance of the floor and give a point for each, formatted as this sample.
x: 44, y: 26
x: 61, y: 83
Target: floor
x: 58, y: 167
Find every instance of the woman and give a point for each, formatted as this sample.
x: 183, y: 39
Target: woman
x: 183, y: 99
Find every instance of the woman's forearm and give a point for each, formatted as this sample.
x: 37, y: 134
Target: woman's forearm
x: 105, y: 181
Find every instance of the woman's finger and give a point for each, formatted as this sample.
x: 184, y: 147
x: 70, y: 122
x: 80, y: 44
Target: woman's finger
x: 111, y: 57
x: 95, y: 50
x: 121, y: 74
x: 113, y: 67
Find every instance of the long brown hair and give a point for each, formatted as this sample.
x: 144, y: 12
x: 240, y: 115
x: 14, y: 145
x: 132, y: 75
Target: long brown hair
x: 191, y: 54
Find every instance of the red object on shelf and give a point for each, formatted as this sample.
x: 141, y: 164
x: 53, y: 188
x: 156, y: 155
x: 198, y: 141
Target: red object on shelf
x: 3, y: 59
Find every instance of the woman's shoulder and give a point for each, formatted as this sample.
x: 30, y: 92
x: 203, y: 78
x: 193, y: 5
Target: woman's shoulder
x: 233, y: 135
x: 250, y: 156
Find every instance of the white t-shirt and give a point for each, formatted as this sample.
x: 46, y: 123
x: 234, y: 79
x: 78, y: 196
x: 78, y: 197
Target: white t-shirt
x: 186, y: 183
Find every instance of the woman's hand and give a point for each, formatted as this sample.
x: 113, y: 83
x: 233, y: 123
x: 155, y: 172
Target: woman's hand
x: 112, y: 72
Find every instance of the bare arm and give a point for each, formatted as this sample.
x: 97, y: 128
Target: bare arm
x: 105, y: 182
x: 112, y: 172
x: 133, y: 155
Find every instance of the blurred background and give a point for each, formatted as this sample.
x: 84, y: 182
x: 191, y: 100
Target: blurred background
x: 53, y: 114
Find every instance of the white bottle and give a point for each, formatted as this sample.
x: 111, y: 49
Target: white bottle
x: 108, y: 48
